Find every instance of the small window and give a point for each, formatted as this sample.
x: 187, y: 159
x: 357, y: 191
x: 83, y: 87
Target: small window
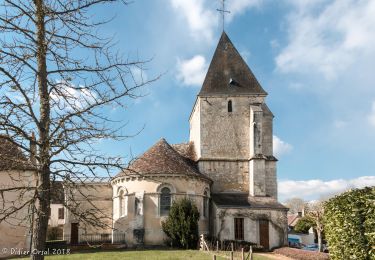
x: 230, y: 106
x: 123, y: 203
x: 138, y: 207
x: 165, y: 201
x: 205, y: 204
x: 61, y: 213
x: 238, y: 229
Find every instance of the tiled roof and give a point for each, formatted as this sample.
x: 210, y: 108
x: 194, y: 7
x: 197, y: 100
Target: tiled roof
x: 293, y: 219
x: 240, y: 200
x: 11, y: 156
x: 186, y: 150
x: 229, y: 74
x: 161, y: 158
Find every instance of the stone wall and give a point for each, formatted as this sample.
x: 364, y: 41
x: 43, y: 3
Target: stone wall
x: 150, y: 220
x: 271, y: 179
x: 226, y: 141
x: 225, y: 135
x: 93, y: 200
x: 195, y: 128
x: 228, y: 176
x: 224, y: 224
x: 15, y: 231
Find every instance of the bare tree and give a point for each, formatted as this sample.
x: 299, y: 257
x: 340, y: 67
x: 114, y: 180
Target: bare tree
x: 315, y: 211
x: 295, y: 205
x: 58, y: 79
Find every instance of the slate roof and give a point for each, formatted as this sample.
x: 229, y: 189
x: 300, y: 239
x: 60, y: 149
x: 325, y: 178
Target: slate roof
x: 11, y: 156
x: 235, y: 200
x: 161, y: 158
x: 228, y: 66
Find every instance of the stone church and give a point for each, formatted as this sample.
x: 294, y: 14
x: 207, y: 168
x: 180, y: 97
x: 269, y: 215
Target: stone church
x: 227, y: 168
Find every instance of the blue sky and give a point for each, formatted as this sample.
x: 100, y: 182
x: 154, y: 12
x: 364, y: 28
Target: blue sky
x: 315, y: 58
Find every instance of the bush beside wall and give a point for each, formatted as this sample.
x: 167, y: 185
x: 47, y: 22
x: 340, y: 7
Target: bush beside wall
x: 350, y: 224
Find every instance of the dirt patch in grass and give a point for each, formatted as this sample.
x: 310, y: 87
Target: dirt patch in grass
x: 300, y: 254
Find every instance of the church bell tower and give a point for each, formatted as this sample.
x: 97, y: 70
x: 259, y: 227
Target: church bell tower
x: 231, y: 127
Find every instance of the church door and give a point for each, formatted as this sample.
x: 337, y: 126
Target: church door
x: 264, y: 234
x: 74, y: 233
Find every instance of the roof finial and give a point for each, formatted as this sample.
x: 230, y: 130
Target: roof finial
x: 223, y: 11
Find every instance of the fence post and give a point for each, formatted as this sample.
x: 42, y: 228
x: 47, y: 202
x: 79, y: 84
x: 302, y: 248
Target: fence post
x: 232, y: 246
x: 242, y: 254
x: 217, y: 245
x: 231, y: 255
x: 251, y: 253
x: 214, y: 258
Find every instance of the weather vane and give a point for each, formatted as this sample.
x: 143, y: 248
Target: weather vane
x: 223, y: 11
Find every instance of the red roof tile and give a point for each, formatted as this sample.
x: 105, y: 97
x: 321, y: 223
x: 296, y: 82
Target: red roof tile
x: 161, y: 158
x: 11, y: 156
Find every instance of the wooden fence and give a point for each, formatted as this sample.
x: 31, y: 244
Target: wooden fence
x: 235, y: 249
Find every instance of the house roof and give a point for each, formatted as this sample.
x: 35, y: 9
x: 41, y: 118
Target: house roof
x: 162, y: 158
x: 293, y: 219
x: 241, y: 200
x: 11, y: 156
x: 186, y: 150
x: 228, y: 73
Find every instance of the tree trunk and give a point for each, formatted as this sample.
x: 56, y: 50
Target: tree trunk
x: 320, y: 248
x: 43, y: 169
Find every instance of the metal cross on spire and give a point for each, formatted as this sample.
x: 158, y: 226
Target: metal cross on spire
x: 223, y: 11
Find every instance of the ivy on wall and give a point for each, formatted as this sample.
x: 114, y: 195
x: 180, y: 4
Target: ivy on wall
x: 350, y: 224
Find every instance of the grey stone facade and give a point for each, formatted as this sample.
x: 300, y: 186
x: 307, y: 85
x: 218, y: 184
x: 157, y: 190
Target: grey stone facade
x: 231, y: 128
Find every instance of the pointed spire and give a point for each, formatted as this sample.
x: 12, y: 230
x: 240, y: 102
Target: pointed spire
x: 228, y: 73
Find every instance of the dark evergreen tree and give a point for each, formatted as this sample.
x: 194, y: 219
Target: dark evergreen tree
x: 181, y: 225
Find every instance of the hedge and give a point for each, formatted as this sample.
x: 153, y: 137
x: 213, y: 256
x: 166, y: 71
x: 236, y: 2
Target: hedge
x: 350, y: 224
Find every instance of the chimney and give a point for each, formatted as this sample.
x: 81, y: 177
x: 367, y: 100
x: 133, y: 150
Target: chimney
x: 33, y: 149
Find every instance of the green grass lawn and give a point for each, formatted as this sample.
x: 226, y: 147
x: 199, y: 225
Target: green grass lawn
x: 147, y: 254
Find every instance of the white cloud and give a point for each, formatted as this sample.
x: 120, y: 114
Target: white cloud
x: 66, y: 96
x: 280, y: 147
x: 192, y: 71
x: 315, y: 189
x: 371, y: 116
x: 327, y: 37
x: 201, y: 20
x: 240, y: 6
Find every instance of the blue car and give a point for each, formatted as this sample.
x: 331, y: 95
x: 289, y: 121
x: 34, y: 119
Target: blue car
x: 314, y: 247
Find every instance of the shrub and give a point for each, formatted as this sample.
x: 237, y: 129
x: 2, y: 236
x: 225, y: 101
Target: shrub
x: 54, y: 233
x: 181, y: 226
x: 304, y: 224
x: 350, y: 224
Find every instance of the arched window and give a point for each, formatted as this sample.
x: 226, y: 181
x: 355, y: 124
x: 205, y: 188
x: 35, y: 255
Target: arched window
x: 205, y: 204
x: 123, y: 203
x: 230, y: 106
x: 165, y: 201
